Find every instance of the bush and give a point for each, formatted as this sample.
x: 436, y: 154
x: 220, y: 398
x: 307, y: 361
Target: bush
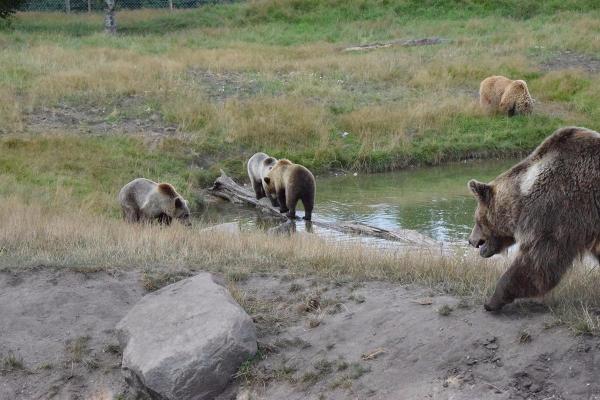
x: 9, y: 7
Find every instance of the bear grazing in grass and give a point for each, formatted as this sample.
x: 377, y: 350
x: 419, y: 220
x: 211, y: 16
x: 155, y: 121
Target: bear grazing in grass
x: 145, y: 200
x: 290, y: 182
x: 259, y: 166
x: 549, y: 204
x: 503, y: 95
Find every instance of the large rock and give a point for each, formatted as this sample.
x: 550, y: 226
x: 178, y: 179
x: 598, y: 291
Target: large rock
x: 186, y: 340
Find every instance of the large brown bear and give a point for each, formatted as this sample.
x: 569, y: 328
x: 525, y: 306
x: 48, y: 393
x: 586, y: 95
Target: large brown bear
x: 145, y: 200
x: 259, y: 166
x: 503, y: 95
x: 290, y: 182
x: 549, y: 204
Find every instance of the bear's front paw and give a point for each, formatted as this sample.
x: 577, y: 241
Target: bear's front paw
x: 291, y: 215
x: 283, y: 210
x: 493, y: 306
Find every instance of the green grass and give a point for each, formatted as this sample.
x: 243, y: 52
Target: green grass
x: 269, y: 75
x: 90, y: 169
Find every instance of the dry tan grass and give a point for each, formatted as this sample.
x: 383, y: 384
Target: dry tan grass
x: 34, y: 234
x: 281, y: 122
x: 53, y: 69
x: 49, y: 235
x: 390, y: 126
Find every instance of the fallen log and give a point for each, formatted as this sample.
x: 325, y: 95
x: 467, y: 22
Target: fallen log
x: 226, y: 188
x: 398, y: 42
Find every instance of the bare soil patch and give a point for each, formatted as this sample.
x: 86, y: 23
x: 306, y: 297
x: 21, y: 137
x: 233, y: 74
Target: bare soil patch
x: 382, y: 341
x: 220, y: 86
x: 128, y: 116
x: 59, y: 326
x: 569, y: 60
x: 318, y: 339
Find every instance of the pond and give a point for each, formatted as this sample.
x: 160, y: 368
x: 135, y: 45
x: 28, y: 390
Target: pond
x: 434, y: 201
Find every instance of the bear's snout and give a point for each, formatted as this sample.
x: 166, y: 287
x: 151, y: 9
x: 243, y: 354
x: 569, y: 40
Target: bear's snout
x: 476, y: 242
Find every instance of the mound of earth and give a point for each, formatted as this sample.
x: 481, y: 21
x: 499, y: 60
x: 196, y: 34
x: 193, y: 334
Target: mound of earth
x: 317, y: 340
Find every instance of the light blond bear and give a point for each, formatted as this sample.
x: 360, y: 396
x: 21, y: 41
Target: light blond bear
x: 498, y: 94
x: 259, y: 166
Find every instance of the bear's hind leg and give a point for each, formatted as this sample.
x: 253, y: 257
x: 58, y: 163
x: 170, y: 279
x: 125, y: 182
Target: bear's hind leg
x: 308, y: 202
x: 291, y: 202
x: 282, y: 202
x: 532, y: 273
x: 130, y: 214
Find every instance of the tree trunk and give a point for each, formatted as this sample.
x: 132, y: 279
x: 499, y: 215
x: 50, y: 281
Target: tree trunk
x: 226, y: 188
x: 68, y: 6
x: 89, y: 6
x: 171, y: 5
x: 110, y: 24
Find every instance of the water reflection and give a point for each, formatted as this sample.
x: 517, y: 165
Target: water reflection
x: 434, y: 201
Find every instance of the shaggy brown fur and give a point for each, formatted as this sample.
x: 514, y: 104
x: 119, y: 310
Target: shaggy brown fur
x: 549, y: 204
x: 145, y: 200
x: 167, y: 189
x: 289, y: 183
x: 503, y: 95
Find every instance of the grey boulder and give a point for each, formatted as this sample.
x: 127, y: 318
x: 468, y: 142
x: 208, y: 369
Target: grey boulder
x: 185, y: 341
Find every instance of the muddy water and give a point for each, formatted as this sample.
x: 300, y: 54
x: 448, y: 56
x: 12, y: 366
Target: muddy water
x: 434, y: 201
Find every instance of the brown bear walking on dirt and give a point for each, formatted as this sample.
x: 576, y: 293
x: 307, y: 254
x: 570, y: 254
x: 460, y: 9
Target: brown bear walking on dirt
x: 290, y: 182
x: 549, y: 204
x: 144, y: 200
x: 498, y: 94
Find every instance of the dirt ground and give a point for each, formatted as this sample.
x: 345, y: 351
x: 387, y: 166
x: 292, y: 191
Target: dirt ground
x: 571, y: 60
x: 56, y: 333
x: 317, y: 340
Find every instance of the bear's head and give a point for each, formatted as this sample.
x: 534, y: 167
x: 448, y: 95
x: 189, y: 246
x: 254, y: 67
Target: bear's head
x: 489, y: 234
x: 523, y: 102
x: 181, y: 211
x: 274, y: 174
x: 269, y: 163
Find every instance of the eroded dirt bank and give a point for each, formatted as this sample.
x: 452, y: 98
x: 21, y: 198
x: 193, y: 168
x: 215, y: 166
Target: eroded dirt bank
x: 318, y: 340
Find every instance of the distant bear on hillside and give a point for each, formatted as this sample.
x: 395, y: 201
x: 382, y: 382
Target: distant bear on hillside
x: 259, y: 166
x: 503, y: 95
x: 289, y: 183
x: 549, y: 204
x: 145, y: 200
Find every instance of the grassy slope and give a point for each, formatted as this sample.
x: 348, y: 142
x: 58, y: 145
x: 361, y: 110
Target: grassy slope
x: 297, y: 92
x: 289, y: 89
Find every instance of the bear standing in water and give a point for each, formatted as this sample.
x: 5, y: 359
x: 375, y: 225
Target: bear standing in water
x: 145, y: 200
x: 259, y: 166
x: 290, y: 182
x: 549, y: 204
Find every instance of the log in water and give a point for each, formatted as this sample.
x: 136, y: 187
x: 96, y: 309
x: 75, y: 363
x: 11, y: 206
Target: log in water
x: 226, y: 188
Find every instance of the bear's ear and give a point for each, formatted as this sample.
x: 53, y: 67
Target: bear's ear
x: 482, y: 191
x: 269, y: 160
x: 267, y: 180
x: 178, y: 203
